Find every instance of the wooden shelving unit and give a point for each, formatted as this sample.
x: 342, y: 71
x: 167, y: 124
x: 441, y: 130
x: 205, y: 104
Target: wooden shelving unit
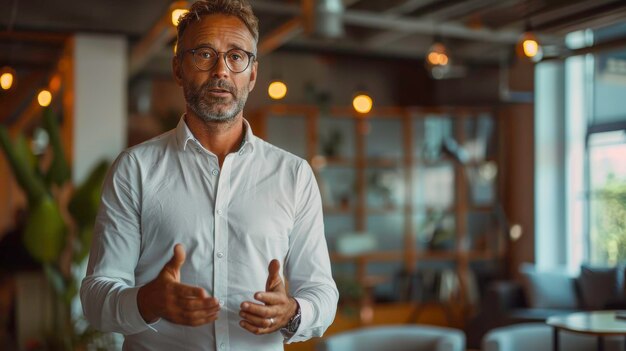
x: 303, y: 130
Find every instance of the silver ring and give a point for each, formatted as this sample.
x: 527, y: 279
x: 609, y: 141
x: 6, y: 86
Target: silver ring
x: 271, y: 322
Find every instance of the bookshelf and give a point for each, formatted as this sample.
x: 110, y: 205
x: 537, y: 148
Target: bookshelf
x: 424, y: 182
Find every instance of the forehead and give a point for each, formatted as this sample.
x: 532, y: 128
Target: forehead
x: 218, y: 29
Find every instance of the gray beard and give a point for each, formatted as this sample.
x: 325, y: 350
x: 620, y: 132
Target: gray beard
x: 207, y: 108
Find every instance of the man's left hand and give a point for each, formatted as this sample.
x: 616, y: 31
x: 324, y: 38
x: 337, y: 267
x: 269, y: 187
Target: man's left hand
x: 276, y: 309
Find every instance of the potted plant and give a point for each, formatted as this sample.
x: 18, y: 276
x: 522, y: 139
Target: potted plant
x: 59, y: 226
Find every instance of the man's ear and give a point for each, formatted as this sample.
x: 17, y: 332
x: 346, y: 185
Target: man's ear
x: 177, y: 70
x: 253, y: 71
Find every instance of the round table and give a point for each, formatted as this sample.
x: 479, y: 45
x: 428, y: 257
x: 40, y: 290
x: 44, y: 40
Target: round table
x: 595, y: 323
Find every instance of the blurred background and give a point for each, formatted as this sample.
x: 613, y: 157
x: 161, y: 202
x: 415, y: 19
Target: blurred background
x: 452, y: 141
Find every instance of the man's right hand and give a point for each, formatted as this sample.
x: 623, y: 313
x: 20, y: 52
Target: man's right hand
x: 165, y: 297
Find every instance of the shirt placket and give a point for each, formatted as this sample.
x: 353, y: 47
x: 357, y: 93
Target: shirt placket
x: 220, y: 255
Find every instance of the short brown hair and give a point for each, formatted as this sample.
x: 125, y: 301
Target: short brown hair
x: 238, y: 8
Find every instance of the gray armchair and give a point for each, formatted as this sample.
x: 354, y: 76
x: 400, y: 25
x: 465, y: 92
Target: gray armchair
x: 538, y: 337
x: 396, y: 338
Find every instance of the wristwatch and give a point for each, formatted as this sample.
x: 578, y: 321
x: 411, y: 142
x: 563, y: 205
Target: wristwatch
x: 292, y: 326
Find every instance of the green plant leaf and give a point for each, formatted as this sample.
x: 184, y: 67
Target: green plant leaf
x: 86, y: 199
x: 45, y: 233
x: 59, y: 171
x: 20, y: 160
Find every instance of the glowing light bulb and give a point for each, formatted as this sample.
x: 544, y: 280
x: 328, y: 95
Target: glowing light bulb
x: 442, y: 59
x: 44, y: 98
x: 176, y: 14
x: 531, y: 47
x: 433, y: 58
x: 362, y: 103
x: 6, y: 80
x: 277, y: 90
x: 437, y: 55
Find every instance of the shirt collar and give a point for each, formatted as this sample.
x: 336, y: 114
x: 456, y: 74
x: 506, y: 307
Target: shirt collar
x: 184, y: 135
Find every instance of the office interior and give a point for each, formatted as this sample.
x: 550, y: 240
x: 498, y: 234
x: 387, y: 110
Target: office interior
x: 470, y: 154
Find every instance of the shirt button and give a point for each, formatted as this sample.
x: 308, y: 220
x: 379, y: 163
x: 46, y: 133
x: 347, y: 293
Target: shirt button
x: 222, y: 346
x: 215, y: 172
x: 220, y: 255
x: 219, y: 212
x: 221, y: 302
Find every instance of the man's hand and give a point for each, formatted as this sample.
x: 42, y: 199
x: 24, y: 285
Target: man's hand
x: 165, y: 297
x: 277, y: 307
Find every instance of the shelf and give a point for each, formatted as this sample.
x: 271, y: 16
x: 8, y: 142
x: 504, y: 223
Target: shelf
x: 336, y: 210
x: 320, y: 161
x: 382, y: 162
x: 399, y: 256
x: 382, y: 211
x: 393, y: 158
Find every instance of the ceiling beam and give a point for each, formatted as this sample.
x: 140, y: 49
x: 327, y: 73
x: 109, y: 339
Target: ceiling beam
x: 159, y: 36
x: 281, y: 35
x: 389, y: 36
x: 396, y: 23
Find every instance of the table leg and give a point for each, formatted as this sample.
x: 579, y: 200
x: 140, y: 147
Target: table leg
x: 555, y: 339
x: 600, y: 343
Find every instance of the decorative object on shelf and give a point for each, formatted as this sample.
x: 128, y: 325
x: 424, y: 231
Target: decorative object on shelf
x: 351, y: 293
x: 321, y: 98
x: 59, y: 226
x: 382, y: 187
x: 331, y: 143
x: 354, y: 243
x: 438, y: 230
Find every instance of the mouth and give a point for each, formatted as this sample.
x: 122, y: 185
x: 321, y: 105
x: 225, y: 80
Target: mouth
x: 218, y: 91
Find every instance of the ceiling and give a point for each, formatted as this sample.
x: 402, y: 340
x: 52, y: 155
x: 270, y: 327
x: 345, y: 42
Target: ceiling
x: 33, y: 32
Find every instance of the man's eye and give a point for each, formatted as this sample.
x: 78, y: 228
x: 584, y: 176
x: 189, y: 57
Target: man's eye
x: 235, y: 56
x: 205, y: 54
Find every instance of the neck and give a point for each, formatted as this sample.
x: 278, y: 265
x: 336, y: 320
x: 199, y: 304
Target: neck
x: 221, y: 138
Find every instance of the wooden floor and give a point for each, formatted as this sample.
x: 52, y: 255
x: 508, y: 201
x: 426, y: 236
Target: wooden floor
x: 384, y: 314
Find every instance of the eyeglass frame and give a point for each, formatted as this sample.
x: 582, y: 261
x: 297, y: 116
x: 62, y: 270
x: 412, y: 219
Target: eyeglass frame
x: 251, y: 57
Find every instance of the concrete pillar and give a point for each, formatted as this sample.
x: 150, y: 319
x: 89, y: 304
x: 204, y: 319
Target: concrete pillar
x: 550, y: 224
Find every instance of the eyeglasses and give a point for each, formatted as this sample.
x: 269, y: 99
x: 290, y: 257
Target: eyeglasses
x: 205, y: 58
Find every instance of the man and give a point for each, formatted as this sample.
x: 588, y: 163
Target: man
x: 198, y: 226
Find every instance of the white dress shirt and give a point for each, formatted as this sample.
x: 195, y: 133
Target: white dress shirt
x: 262, y: 204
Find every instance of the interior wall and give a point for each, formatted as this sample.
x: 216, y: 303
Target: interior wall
x: 518, y: 137
x: 313, y: 78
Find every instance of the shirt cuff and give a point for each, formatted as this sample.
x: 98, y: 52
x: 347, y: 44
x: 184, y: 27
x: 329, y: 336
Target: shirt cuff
x: 129, y: 310
x: 306, y: 317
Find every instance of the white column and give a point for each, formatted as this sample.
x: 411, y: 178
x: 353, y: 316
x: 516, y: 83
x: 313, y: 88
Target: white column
x: 100, y: 112
x: 550, y: 228
x: 576, y: 127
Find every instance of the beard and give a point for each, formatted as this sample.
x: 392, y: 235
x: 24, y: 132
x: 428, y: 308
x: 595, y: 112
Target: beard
x: 215, y: 109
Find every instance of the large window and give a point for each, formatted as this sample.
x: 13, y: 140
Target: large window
x: 607, y: 197
x: 606, y: 158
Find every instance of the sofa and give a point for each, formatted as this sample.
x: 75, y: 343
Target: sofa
x: 539, y: 294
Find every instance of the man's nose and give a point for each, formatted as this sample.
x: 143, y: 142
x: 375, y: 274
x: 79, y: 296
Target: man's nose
x: 220, y: 70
